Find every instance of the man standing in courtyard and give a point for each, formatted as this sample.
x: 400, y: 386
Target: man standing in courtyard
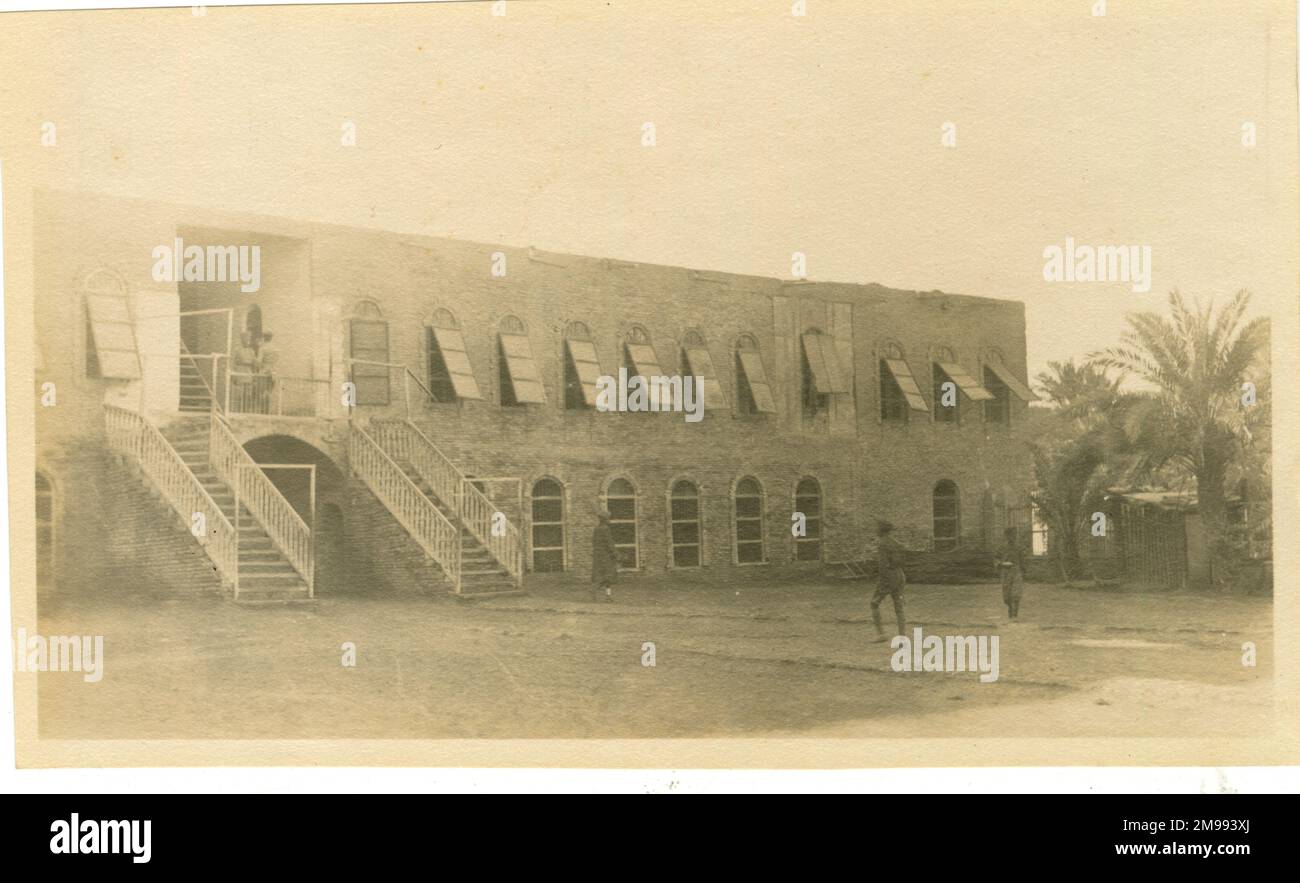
x: 604, y: 558
x: 889, y: 558
x: 1011, y: 563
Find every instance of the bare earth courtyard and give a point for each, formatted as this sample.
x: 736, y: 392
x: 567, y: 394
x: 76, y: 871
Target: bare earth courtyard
x: 788, y: 659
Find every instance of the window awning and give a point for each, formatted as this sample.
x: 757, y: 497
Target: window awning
x: 907, y: 383
x: 965, y: 382
x: 822, y: 358
x: 113, y: 336
x: 451, y: 345
x: 756, y: 377
x: 1012, y: 383
x: 583, y: 354
x: 646, y: 364
x: 524, y: 376
x: 701, y: 364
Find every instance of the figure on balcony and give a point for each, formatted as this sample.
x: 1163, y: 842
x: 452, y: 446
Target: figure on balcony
x: 268, y: 358
x: 243, y: 375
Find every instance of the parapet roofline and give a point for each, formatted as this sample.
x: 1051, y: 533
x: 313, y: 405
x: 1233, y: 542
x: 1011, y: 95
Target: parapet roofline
x: 212, y: 218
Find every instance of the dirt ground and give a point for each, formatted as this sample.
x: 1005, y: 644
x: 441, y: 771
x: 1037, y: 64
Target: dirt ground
x: 776, y: 659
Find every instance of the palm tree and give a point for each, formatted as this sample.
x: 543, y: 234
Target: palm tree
x: 1195, y: 365
x: 1071, y: 454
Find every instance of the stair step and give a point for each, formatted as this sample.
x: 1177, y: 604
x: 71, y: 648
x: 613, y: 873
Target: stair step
x: 255, y: 598
x: 474, y: 596
x: 255, y: 556
x: 270, y: 567
x: 271, y: 581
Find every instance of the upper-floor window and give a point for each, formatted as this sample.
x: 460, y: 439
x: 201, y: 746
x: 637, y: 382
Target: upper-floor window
x: 1002, y: 384
x: 821, y: 375
x: 753, y: 392
x: 697, y: 362
x: 111, y: 349
x: 449, y: 373
x: 368, y: 349
x: 899, y: 393
x: 639, y: 359
x: 944, y: 394
x: 520, y: 381
x: 581, y: 367
x: 998, y: 407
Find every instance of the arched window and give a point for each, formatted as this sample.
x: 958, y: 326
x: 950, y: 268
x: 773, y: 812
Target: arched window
x: 896, y: 382
x: 620, y: 501
x: 519, y: 380
x: 748, y: 512
x: 946, y: 402
x: 808, y: 501
x: 447, y: 359
x: 368, y: 348
x: 547, y: 526
x: 697, y: 362
x: 947, y: 517
x: 111, y: 346
x: 44, y: 532
x: 640, y: 359
x: 684, y: 523
x: 753, y: 392
x: 998, y: 408
x: 581, y: 368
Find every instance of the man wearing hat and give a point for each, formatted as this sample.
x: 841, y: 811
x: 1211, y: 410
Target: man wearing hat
x: 604, y: 557
x: 1011, y: 566
x: 889, y: 558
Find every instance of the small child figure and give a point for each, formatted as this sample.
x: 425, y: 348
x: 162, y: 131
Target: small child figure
x: 1010, y: 563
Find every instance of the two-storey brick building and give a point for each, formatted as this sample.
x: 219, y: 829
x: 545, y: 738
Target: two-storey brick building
x: 442, y: 394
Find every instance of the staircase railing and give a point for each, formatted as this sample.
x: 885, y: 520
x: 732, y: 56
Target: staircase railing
x: 415, y: 511
x: 131, y: 434
x: 473, y: 507
x: 255, y: 491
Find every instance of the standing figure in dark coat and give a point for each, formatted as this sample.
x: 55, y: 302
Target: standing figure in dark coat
x: 1011, y: 564
x: 892, y: 580
x: 604, y: 558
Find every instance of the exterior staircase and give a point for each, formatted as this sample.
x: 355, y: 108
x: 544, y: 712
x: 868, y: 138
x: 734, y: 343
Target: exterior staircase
x: 196, y: 395
x: 265, y: 575
x: 481, y: 575
x: 458, y: 528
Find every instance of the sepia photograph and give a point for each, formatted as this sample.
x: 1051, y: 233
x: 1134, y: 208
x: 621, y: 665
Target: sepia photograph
x: 798, y: 384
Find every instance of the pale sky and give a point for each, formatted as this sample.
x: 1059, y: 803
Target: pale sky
x: 775, y: 134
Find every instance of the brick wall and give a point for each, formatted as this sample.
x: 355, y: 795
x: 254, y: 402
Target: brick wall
x: 113, y: 533
x: 866, y: 469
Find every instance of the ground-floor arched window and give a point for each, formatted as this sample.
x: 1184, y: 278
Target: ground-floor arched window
x: 947, y: 517
x: 620, y: 501
x: 547, y: 526
x: 808, y: 501
x: 684, y: 518
x: 748, y: 514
